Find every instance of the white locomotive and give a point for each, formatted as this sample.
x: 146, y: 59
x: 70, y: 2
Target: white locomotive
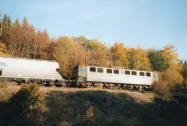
x: 110, y: 77
x: 29, y: 70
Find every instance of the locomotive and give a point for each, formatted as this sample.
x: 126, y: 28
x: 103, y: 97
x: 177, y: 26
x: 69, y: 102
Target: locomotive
x: 111, y: 77
x: 46, y: 72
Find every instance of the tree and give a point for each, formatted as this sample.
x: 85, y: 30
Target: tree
x: 23, y: 41
x: 97, y: 53
x: 69, y: 54
x: 6, y: 25
x: 156, y: 59
x: 138, y: 59
x: 3, y: 51
x: 119, y: 55
x: 170, y: 56
x: 184, y: 73
x: 1, y: 29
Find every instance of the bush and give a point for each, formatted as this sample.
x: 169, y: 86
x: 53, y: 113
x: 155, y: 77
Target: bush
x: 173, y: 77
x: 26, y: 102
x: 3, y: 83
x: 162, y: 89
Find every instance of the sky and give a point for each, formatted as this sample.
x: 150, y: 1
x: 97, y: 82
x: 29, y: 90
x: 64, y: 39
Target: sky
x: 148, y: 23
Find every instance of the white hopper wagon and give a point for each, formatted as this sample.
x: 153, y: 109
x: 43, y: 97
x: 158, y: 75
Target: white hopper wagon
x: 29, y: 70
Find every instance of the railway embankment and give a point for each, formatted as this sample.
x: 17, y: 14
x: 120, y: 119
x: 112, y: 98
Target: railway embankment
x: 96, y: 107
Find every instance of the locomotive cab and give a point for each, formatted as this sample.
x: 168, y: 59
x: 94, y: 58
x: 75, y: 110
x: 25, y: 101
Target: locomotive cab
x: 81, y: 74
x: 1, y: 71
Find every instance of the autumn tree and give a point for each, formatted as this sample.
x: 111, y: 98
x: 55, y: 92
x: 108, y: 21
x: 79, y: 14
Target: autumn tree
x: 171, y: 75
x: 3, y: 51
x: 23, y: 41
x: 95, y: 52
x: 119, y: 55
x: 170, y: 56
x: 69, y: 54
x: 138, y: 59
x: 1, y: 29
x: 41, y: 45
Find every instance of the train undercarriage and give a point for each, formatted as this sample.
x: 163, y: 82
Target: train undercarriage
x: 114, y: 86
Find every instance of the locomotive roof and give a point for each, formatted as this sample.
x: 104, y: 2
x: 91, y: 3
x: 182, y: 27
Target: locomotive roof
x: 114, y: 67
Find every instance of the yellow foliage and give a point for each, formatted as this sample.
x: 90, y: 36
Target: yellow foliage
x: 171, y: 57
x: 3, y: 51
x: 89, y: 112
x: 69, y: 54
x: 172, y: 76
x: 138, y: 59
x: 96, y: 53
x: 119, y: 55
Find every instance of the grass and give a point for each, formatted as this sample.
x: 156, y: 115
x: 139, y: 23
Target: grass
x: 106, y: 107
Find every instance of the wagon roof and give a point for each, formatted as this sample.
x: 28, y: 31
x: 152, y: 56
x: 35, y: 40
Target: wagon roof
x: 26, y: 59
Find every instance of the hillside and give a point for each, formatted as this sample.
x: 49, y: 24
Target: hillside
x: 96, y: 107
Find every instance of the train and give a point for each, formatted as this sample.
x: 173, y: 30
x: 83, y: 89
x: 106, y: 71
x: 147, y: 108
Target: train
x: 29, y: 70
x: 46, y: 72
x: 110, y: 77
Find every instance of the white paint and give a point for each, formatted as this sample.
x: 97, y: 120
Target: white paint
x: 28, y: 68
x: 121, y: 77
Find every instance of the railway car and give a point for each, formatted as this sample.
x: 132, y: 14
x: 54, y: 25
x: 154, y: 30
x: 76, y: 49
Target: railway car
x: 27, y: 70
x: 110, y: 77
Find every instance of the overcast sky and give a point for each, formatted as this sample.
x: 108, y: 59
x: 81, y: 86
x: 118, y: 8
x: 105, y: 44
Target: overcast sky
x: 149, y: 23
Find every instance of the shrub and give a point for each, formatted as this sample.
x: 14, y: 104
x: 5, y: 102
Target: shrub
x: 162, y: 89
x: 3, y: 83
x: 26, y: 102
x: 173, y: 77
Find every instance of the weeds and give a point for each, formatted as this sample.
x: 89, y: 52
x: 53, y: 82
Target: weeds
x: 3, y: 83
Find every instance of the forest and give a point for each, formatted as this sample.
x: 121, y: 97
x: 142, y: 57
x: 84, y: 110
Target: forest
x: 20, y: 39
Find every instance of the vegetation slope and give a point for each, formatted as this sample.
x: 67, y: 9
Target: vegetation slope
x: 96, y: 107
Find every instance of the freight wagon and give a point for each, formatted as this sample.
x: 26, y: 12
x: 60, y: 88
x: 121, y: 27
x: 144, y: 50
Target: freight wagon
x: 26, y: 70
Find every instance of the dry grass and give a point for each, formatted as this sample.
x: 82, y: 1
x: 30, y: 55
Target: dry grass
x: 146, y: 97
x: 6, y: 93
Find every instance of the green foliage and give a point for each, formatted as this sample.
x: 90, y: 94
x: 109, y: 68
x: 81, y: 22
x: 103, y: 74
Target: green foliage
x: 3, y: 83
x: 184, y: 69
x: 26, y: 102
x: 157, y: 61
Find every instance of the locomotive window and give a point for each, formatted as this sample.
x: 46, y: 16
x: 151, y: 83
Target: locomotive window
x: 127, y: 72
x: 109, y: 70
x: 148, y: 74
x: 92, y: 69
x: 116, y: 71
x: 142, y: 74
x: 134, y: 73
x: 100, y: 70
